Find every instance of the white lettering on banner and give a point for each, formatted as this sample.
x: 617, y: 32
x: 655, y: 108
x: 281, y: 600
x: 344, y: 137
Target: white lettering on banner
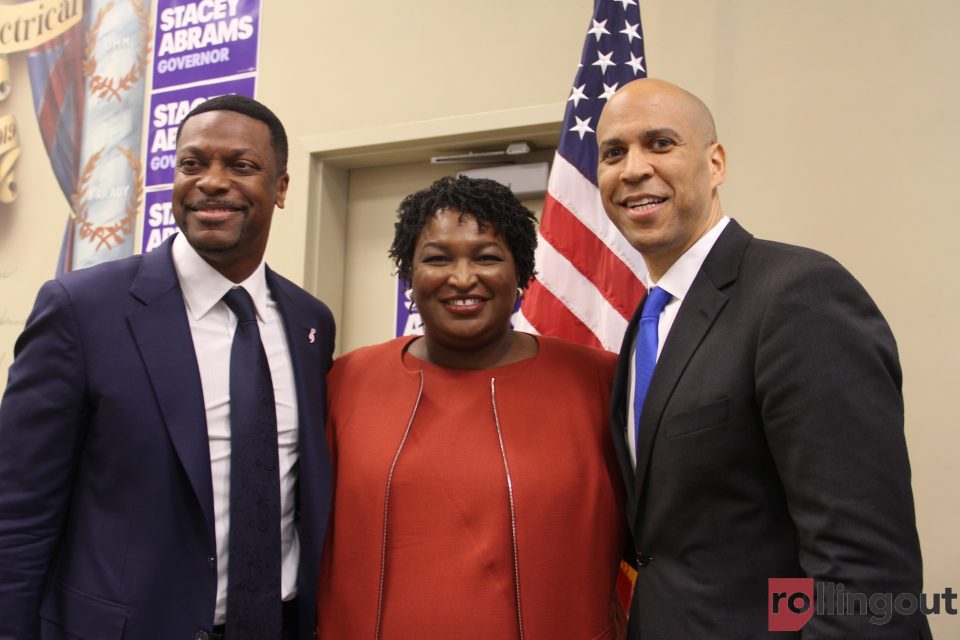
x: 112, y: 193
x: 168, y: 114
x: 157, y: 236
x: 161, y: 214
x: 191, y: 60
x: 164, y: 140
x: 214, y: 33
x: 197, y: 13
x: 165, y: 161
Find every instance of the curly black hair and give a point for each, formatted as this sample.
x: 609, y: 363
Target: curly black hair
x: 488, y: 201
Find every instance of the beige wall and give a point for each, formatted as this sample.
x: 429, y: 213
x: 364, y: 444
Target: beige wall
x: 837, y: 116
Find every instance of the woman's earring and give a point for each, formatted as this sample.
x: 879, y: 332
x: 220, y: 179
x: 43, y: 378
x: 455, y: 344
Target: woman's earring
x: 519, y: 293
x: 411, y: 305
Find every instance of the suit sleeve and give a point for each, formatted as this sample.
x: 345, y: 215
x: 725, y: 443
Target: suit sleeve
x: 42, y: 421
x: 829, y: 388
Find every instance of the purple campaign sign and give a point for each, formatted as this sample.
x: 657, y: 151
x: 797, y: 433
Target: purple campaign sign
x: 158, y: 225
x: 167, y: 109
x: 200, y: 40
x: 407, y: 323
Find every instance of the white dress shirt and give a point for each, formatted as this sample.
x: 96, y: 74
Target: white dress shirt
x: 212, y: 326
x: 676, y: 281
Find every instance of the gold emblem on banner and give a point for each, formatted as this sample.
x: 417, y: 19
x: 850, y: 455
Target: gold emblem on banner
x: 105, y: 236
x: 105, y: 86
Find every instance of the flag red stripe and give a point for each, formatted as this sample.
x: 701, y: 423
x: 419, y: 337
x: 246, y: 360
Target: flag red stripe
x: 541, y: 307
x: 50, y: 109
x: 614, y: 279
x: 53, y: 107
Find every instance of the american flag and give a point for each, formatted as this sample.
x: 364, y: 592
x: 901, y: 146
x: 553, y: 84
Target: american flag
x: 588, y: 277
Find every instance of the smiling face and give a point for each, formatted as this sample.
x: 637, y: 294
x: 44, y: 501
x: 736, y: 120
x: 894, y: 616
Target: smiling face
x: 659, y: 169
x: 225, y: 187
x: 464, y: 284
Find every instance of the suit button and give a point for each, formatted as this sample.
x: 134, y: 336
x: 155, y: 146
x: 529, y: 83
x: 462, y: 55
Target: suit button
x: 212, y: 562
x: 642, y: 559
x: 201, y: 635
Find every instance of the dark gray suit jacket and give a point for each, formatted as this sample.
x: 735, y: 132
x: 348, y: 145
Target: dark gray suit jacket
x: 771, y: 445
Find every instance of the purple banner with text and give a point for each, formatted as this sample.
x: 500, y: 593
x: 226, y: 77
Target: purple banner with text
x: 204, y: 40
x: 167, y: 109
x: 158, y: 223
x: 407, y: 322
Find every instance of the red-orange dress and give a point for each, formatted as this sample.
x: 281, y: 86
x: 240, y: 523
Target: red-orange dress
x: 480, y: 501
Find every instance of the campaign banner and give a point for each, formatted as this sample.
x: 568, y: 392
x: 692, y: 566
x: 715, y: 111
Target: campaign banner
x: 204, y: 39
x: 407, y: 318
x: 158, y: 223
x: 167, y: 110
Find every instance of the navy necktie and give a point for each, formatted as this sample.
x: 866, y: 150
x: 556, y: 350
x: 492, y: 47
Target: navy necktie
x: 253, y: 575
x: 645, y: 357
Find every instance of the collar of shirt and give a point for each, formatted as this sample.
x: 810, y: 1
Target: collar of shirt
x: 677, y: 282
x: 679, y: 277
x: 203, y: 286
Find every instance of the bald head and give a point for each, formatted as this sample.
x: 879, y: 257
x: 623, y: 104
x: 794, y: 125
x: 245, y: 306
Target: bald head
x: 659, y: 168
x: 665, y: 95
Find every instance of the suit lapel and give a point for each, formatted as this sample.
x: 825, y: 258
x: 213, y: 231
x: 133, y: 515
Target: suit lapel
x: 162, y: 333
x: 306, y: 341
x: 618, y: 414
x: 697, y: 313
x: 299, y: 335
x: 699, y: 310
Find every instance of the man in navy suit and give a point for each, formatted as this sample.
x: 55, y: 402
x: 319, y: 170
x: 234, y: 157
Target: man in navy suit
x: 115, y: 426
x: 768, y: 441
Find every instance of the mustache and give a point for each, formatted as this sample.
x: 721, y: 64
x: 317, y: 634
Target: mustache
x: 198, y: 205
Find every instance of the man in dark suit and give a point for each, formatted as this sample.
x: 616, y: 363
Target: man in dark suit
x: 770, y: 435
x: 115, y: 429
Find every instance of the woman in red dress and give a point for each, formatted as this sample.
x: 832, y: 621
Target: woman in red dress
x: 477, y: 493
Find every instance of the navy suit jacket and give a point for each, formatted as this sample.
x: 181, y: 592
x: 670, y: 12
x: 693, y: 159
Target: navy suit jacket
x: 106, y: 504
x: 771, y: 446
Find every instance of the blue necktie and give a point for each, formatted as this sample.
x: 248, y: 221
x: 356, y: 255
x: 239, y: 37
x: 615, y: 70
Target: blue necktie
x: 253, y: 574
x: 645, y: 358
